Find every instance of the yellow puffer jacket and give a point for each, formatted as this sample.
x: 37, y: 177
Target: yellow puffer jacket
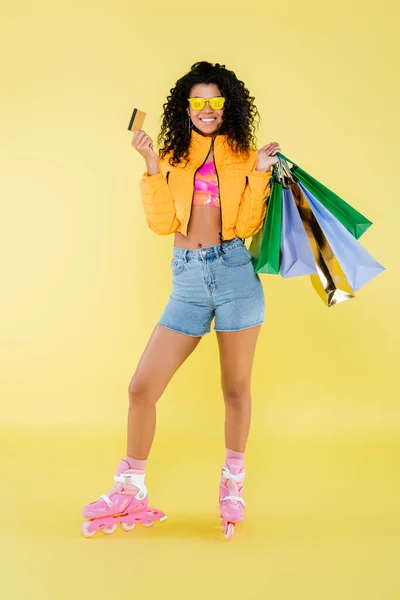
x: 167, y: 197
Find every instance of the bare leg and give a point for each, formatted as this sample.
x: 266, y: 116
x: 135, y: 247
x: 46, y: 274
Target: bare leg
x: 236, y: 350
x: 165, y: 352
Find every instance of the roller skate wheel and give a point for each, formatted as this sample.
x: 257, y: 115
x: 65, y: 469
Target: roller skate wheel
x: 229, y: 530
x: 109, y: 529
x: 127, y: 526
x: 86, y: 531
x: 148, y: 524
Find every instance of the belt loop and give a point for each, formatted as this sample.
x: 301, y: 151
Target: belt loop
x: 185, y: 255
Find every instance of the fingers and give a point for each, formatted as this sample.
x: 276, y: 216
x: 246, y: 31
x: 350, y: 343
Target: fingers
x: 141, y: 140
x: 272, y: 148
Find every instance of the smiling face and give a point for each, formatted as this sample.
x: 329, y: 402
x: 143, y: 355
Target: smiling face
x: 207, y: 120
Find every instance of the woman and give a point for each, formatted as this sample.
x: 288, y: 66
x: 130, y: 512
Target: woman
x: 208, y: 185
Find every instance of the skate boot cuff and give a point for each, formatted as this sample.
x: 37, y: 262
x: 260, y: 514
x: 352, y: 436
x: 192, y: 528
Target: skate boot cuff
x: 239, y: 478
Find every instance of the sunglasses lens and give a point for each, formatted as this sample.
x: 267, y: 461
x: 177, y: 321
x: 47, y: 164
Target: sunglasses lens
x: 197, y: 103
x: 217, y: 103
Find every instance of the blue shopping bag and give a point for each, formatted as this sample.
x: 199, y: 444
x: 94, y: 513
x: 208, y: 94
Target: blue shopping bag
x: 296, y: 255
x: 357, y: 263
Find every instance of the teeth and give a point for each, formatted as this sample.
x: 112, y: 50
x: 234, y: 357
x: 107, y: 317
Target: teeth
x: 207, y: 120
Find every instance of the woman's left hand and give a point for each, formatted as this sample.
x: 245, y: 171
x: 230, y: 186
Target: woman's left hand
x: 266, y: 156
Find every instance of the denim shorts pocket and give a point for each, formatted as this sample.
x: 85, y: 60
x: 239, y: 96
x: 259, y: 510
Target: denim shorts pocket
x: 236, y: 258
x: 177, y: 265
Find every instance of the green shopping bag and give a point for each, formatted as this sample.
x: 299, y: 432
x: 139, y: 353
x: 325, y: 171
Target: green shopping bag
x: 355, y: 222
x: 266, y: 243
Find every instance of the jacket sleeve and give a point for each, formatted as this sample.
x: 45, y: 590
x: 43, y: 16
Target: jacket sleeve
x: 253, y: 204
x: 158, y: 204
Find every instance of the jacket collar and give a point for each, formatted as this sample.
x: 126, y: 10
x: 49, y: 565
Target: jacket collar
x: 199, y: 142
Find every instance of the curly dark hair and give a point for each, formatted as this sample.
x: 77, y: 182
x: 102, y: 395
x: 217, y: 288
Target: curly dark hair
x: 240, y: 119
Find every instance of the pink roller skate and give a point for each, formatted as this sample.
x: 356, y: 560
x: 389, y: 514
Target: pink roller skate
x: 231, y: 503
x: 125, y: 503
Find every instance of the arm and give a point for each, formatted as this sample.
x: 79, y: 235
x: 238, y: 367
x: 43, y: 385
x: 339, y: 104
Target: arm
x: 253, y: 203
x: 158, y: 203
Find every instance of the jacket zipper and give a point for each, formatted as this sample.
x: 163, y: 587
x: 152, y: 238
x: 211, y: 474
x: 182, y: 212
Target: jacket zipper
x: 221, y: 237
x: 194, y: 176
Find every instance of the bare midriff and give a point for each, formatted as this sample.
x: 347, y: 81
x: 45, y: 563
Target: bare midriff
x: 204, y: 226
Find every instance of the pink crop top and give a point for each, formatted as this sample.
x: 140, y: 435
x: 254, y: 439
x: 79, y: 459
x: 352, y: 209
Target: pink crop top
x: 206, y: 192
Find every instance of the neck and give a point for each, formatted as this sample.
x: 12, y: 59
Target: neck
x: 197, y: 132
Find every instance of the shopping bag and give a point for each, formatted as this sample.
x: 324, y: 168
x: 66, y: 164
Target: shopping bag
x: 296, y: 256
x: 337, y: 264
x: 265, y: 244
x: 354, y: 221
x: 330, y: 282
x: 357, y: 263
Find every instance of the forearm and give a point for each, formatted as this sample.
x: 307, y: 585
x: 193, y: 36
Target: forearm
x: 152, y: 167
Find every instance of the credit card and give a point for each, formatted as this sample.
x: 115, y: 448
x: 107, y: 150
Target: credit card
x: 137, y: 120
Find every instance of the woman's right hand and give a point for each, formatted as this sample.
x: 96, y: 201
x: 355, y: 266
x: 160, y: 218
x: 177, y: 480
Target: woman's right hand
x: 143, y: 143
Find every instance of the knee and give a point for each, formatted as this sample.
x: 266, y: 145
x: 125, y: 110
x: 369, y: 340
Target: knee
x: 237, y: 395
x: 140, y: 394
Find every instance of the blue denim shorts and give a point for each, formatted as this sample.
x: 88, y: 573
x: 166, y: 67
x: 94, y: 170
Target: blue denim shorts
x: 213, y: 282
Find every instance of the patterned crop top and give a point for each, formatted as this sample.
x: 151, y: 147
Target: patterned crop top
x: 206, y: 192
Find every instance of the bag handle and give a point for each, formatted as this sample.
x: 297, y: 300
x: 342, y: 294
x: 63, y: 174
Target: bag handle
x: 286, y: 169
x: 281, y: 169
x: 279, y: 154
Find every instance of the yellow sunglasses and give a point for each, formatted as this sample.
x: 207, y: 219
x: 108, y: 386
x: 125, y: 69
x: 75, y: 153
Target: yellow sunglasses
x: 199, y: 103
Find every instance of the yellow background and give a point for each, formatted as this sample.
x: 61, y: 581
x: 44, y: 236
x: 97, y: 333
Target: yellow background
x: 84, y: 282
